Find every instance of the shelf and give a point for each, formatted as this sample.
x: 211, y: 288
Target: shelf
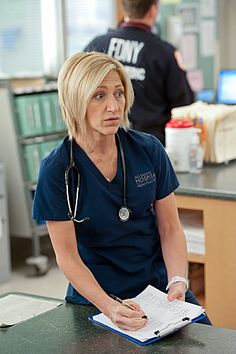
x: 30, y: 90
x: 42, y: 137
x: 31, y: 126
x: 196, y: 258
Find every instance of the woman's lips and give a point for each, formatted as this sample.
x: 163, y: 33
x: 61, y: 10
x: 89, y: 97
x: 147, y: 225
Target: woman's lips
x: 111, y: 119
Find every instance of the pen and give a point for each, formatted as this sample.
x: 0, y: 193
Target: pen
x: 124, y: 303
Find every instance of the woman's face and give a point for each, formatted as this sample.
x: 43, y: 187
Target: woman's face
x: 106, y: 107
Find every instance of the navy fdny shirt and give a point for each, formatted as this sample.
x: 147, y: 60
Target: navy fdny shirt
x: 123, y: 256
x: 159, y: 83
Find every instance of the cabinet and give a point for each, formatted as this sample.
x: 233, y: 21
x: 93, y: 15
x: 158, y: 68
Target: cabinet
x: 219, y: 260
x: 4, y: 230
x: 193, y: 225
x: 31, y: 125
x: 214, y: 194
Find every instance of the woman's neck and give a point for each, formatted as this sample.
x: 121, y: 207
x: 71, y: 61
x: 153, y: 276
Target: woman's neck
x: 102, y: 152
x: 97, y: 145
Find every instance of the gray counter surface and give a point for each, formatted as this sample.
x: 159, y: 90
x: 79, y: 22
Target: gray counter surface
x: 67, y: 330
x: 215, y: 181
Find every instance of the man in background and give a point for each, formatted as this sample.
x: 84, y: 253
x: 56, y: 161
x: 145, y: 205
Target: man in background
x: 154, y: 66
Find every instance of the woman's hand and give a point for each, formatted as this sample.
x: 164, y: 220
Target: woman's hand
x: 177, y: 291
x: 125, y: 318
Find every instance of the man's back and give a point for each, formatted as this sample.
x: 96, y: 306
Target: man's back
x: 159, y: 83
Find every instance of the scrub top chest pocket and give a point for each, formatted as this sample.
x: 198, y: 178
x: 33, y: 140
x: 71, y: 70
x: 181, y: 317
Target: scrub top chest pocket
x: 142, y: 192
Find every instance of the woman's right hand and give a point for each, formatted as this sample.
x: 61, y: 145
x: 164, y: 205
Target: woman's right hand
x: 125, y: 318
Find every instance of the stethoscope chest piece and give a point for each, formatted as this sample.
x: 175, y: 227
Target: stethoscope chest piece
x: 124, y: 214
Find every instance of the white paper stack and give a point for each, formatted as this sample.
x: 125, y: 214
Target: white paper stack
x: 192, y: 223
x: 218, y: 125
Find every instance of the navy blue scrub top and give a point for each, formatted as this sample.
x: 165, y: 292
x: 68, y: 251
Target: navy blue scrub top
x: 123, y: 256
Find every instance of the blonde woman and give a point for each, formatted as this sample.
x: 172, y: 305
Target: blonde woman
x: 103, y: 191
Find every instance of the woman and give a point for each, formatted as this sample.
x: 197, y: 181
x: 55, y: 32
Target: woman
x: 110, y: 233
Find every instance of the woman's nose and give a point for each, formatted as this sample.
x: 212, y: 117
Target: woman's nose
x: 112, y: 104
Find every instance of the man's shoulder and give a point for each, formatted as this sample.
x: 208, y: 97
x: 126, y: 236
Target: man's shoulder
x: 164, y: 44
x: 100, y: 42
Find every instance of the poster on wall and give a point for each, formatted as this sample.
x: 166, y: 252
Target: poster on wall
x: 207, y: 38
x: 196, y: 80
x: 188, y: 50
x: 208, y: 8
x: 174, y: 32
x: 189, y: 14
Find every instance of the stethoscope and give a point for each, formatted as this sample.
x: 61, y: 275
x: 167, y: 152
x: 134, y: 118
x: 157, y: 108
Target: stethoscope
x: 124, y: 212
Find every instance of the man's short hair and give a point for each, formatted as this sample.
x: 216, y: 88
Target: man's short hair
x: 137, y: 8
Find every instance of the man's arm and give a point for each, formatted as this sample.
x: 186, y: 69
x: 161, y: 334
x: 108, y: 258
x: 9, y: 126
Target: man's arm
x: 178, y: 90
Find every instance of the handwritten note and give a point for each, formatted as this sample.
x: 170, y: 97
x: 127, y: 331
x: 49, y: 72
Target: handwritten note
x: 161, y: 313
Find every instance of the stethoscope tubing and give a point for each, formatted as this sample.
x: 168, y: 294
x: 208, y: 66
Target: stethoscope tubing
x: 124, y: 212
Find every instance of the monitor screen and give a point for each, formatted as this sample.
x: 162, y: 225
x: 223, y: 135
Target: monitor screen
x: 206, y: 95
x: 226, y: 87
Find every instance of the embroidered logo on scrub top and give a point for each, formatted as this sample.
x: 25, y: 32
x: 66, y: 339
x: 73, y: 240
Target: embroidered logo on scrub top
x: 145, y: 178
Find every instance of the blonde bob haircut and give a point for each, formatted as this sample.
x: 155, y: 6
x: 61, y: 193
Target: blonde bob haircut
x: 79, y: 78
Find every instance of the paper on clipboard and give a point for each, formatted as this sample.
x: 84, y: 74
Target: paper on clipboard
x: 164, y: 317
x: 16, y: 308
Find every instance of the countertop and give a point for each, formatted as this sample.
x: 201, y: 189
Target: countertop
x: 67, y: 330
x: 215, y: 181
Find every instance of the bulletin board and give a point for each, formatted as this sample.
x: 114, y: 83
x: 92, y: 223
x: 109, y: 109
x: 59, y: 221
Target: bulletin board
x: 191, y: 25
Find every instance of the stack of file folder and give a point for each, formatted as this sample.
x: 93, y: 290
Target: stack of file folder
x: 218, y: 128
x: 33, y: 155
x: 38, y: 114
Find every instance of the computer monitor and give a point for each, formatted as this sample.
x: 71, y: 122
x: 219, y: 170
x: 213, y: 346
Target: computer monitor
x: 206, y: 95
x: 226, y: 87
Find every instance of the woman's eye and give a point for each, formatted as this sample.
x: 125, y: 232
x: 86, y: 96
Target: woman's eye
x: 99, y: 96
x: 119, y: 93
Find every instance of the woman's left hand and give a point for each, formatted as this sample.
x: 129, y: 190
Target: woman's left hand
x: 177, y: 291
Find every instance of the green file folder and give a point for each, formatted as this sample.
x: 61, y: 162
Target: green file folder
x: 29, y: 118
x: 48, y: 119
x: 59, y: 122
x: 47, y: 146
x: 32, y: 159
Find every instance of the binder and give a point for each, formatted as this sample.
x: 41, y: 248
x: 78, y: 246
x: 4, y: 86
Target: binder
x: 47, y: 113
x: 32, y: 160
x: 59, y: 124
x: 29, y: 117
x: 164, y: 317
x: 47, y: 146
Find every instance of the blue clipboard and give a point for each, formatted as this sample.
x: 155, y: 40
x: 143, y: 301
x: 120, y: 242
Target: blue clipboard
x: 157, y: 335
